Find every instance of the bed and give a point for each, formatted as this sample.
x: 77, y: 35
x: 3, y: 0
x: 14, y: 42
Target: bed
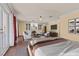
x: 41, y: 39
x: 53, y: 47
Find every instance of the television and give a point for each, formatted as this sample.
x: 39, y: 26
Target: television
x: 54, y: 27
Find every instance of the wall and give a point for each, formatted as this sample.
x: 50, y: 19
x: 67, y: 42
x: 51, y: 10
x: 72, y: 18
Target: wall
x: 52, y: 23
x: 22, y: 27
x: 64, y: 26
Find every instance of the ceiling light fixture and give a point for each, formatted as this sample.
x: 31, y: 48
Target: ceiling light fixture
x: 50, y: 16
x: 40, y: 18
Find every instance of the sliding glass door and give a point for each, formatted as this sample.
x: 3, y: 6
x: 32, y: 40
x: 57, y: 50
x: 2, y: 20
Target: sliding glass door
x: 4, y: 31
x: 1, y: 31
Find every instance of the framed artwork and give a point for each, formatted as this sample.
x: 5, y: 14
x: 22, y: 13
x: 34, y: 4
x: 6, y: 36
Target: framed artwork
x: 54, y: 27
x: 77, y: 25
x: 71, y: 26
x: 72, y: 29
x: 77, y: 30
x: 74, y: 25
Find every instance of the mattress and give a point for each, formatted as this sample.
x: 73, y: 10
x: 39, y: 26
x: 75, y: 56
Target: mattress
x: 56, y: 47
x: 51, y: 50
x: 71, y: 50
x: 68, y: 48
x: 74, y: 52
x: 43, y: 43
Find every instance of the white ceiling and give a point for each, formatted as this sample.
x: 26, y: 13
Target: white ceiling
x: 32, y: 11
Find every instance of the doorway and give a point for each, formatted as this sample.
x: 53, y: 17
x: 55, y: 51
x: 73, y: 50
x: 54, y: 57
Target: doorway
x: 45, y: 29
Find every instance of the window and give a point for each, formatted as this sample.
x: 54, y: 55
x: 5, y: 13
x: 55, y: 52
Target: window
x: 34, y: 26
x: 39, y: 27
x: 27, y: 26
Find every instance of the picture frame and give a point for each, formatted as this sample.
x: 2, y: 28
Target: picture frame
x: 77, y: 25
x: 71, y: 26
